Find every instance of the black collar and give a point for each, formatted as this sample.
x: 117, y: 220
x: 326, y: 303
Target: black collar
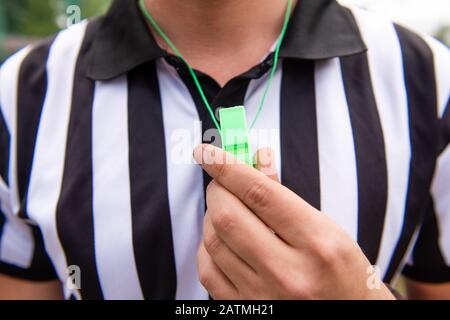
x: 319, y: 29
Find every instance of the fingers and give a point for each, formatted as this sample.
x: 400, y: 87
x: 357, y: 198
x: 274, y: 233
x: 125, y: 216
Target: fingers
x: 265, y: 163
x: 278, y: 207
x: 212, y: 278
x: 239, y: 272
x: 240, y: 229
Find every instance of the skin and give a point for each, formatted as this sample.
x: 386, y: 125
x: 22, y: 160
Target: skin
x: 424, y: 291
x: 232, y: 259
x: 209, y: 29
x: 262, y: 241
x: 15, y: 289
x: 233, y: 55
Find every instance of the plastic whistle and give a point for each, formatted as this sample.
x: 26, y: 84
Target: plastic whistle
x: 234, y: 133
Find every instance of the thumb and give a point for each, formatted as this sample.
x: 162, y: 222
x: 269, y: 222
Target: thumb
x: 265, y: 163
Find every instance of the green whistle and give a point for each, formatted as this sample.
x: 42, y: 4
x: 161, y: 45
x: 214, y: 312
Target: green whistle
x: 234, y: 132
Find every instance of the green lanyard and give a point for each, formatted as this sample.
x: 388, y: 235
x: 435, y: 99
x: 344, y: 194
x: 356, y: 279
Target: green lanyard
x: 194, y: 76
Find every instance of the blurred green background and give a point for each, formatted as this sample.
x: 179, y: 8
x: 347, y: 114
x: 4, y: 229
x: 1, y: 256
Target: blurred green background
x: 25, y: 21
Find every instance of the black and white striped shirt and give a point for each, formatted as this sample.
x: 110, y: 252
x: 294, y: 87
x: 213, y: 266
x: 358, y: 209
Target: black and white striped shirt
x: 98, y: 124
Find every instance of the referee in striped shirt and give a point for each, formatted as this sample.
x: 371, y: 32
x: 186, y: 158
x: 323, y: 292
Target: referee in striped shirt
x: 101, y: 199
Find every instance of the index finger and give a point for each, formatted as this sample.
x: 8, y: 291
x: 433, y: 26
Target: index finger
x: 278, y: 207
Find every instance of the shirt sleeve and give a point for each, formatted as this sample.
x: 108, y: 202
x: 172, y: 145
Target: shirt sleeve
x: 22, y: 251
x: 430, y: 258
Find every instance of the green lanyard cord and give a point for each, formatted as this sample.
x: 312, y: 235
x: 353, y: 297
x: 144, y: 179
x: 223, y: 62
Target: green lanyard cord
x: 194, y: 76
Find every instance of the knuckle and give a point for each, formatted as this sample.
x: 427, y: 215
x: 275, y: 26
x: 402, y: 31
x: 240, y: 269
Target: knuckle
x: 258, y: 194
x: 328, y: 251
x: 293, y: 289
x: 222, y: 220
x: 297, y: 292
x: 203, y: 275
x: 207, y: 280
x: 221, y: 169
x: 343, y: 252
x: 204, y: 278
x: 212, y: 243
x: 320, y: 250
x: 212, y: 186
x: 289, y: 278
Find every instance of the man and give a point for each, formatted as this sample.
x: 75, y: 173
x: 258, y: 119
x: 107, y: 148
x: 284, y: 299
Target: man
x: 100, y: 193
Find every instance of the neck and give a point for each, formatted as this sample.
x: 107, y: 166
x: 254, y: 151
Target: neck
x: 220, y: 29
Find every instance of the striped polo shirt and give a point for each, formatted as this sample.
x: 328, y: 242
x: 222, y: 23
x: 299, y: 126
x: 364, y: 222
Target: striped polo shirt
x: 98, y: 125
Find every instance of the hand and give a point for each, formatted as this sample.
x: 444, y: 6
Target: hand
x: 262, y: 241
